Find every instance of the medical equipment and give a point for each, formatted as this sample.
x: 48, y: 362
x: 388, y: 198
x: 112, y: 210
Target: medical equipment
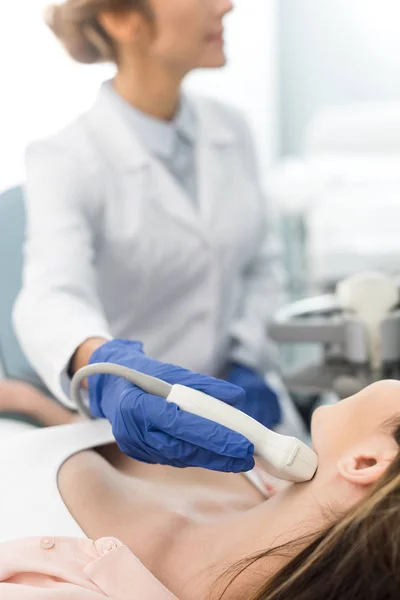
x: 358, y: 329
x: 151, y: 430
x: 282, y: 456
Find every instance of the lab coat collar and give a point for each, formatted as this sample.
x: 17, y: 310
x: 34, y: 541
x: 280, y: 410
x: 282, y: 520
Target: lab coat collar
x: 157, y: 136
x: 186, y: 120
x: 126, y: 149
x: 212, y: 127
x: 110, y: 129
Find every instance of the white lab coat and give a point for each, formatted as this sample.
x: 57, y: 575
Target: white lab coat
x: 115, y: 248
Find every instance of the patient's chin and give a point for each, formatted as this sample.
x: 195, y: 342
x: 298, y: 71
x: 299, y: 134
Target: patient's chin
x: 317, y: 419
x: 323, y: 428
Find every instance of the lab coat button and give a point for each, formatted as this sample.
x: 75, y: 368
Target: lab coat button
x: 47, y: 543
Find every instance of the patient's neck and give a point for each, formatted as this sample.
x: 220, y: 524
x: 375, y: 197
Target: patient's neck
x: 295, y: 512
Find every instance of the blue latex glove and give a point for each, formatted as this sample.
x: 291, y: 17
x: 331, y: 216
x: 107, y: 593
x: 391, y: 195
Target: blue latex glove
x: 150, y: 429
x: 262, y: 402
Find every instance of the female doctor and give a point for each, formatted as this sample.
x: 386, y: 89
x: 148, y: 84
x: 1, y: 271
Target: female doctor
x: 146, y: 222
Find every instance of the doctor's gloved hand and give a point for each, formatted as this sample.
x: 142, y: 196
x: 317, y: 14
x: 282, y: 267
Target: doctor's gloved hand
x: 262, y: 401
x: 152, y: 430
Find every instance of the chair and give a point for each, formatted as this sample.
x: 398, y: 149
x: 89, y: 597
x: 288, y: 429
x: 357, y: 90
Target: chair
x: 12, y: 226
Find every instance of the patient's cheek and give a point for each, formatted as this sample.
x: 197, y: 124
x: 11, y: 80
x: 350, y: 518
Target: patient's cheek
x: 318, y: 417
x: 324, y: 427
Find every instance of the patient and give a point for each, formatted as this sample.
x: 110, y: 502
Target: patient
x: 17, y: 397
x: 208, y: 535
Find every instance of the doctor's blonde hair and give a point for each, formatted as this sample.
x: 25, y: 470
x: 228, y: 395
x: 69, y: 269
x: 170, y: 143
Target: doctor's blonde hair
x: 76, y: 24
x: 356, y: 557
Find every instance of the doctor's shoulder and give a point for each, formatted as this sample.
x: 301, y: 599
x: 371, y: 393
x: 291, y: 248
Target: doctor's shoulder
x: 72, y: 143
x: 64, y: 162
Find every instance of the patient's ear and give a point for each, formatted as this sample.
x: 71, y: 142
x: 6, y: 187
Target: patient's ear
x: 365, y: 466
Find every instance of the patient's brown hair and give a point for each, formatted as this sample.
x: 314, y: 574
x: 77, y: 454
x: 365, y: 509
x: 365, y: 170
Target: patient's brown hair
x: 355, y: 558
x: 76, y: 24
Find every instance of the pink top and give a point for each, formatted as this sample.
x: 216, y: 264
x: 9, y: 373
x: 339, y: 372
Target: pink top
x: 75, y: 569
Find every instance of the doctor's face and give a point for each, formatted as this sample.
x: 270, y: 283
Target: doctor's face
x: 189, y: 34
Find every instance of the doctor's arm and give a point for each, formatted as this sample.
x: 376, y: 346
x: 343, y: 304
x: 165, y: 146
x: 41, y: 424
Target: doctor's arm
x: 58, y: 308
x: 61, y: 326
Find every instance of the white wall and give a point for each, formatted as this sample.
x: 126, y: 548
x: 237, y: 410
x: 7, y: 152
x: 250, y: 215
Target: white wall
x: 41, y: 89
x: 250, y: 79
x: 335, y: 52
